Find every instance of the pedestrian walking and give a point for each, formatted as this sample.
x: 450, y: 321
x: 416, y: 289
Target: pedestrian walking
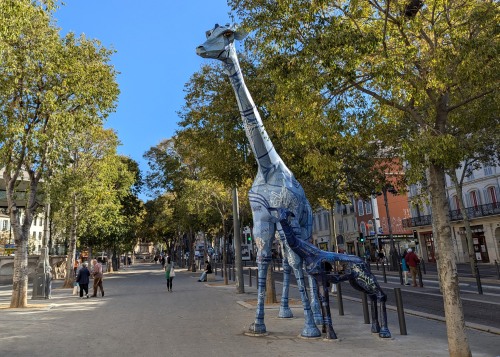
x: 208, y: 270
x: 83, y: 279
x: 405, y: 268
x: 162, y: 261
x: 97, y: 275
x: 169, y: 273
x: 412, y: 261
x: 381, y: 256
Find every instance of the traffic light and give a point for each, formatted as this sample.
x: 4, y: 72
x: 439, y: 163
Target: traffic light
x: 249, y: 238
x: 361, y: 238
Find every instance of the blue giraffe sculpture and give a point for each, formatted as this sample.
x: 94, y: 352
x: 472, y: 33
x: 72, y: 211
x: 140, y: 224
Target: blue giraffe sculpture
x: 274, y: 187
x: 319, y: 264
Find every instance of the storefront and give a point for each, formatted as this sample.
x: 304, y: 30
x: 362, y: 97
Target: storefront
x: 478, y: 241
x: 428, y: 240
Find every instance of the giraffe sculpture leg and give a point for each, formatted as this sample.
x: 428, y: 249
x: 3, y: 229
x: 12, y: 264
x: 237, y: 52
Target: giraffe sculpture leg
x: 310, y: 329
x: 315, y: 300
x: 285, y: 311
x: 258, y: 326
x: 365, y: 281
x: 325, y: 307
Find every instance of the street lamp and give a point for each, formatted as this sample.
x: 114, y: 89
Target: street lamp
x: 394, y: 256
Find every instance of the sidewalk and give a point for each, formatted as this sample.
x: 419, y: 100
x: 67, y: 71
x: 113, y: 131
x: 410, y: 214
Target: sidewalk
x: 139, y: 317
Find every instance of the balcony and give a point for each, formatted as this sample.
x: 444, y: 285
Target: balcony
x: 488, y: 209
x: 417, y: 221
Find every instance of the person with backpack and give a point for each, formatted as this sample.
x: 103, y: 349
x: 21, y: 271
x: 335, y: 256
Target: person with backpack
x: 169, y: 273
x: 412, y: 261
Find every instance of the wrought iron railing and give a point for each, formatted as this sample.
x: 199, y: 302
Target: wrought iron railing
x: 488, y: 209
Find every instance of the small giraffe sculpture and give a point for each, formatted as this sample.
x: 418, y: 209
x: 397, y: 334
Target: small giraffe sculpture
x: 274, y: 187
x: 319, y: 265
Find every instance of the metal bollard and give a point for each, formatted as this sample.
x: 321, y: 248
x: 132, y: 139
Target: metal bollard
x: 383, y: 272
x: 364, y: 302
x: 498, y: 270
x: 339, y: 299
x: 376, y: 262
x: 250, y: 277
x: 478, y: 280
x: 423, y: 266
x: 419, y: 272
x: 234, y: 273
x: 401, y: 312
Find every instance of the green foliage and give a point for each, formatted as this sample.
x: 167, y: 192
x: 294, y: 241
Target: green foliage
x: 433, y: 79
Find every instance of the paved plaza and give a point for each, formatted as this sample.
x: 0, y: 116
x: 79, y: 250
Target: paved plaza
x: 138, y: 317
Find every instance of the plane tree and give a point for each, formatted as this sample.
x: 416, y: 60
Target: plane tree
x: 51, y: 88
x: 417, y: 65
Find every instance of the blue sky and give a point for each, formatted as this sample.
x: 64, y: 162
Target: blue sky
x: 155, y: 42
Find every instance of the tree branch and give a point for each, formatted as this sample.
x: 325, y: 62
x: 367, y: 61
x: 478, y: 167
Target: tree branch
x: 471, y: 99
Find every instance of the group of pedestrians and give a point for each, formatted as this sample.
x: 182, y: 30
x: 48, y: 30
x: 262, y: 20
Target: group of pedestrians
x: 83, y: 278
x: 409, y: 263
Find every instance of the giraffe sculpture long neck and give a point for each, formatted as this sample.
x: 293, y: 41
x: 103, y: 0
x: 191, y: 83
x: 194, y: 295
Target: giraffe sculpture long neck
x: 262, y: 147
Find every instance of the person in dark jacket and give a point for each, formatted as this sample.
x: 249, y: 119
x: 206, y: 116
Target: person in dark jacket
x: 83, y: 279
x: 208, y: 270
x: 412, y: 261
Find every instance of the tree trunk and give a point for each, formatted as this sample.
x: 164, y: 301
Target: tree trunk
x: 455, y: 323
x: 240, y: 284
x: 19, y: 298
x: 468, y: 232
x: 224, y: 252
x: 270, y: 288
x: 70, y: 262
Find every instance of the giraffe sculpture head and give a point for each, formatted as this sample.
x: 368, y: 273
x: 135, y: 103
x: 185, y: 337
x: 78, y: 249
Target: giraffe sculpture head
x: 220, y: 42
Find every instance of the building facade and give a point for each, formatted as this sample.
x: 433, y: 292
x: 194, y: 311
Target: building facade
x: 481, y: 197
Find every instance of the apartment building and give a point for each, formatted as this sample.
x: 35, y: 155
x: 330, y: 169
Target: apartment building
x: 481, y: 196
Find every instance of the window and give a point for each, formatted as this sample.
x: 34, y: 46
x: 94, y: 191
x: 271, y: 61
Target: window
x: 368, y: 207
x: 361, y: 211
x: 41, y: 222
x: 488, y: 171
x: 492, y: 195
x: 455, y: 205
x: 34, y: 235
x: 473, y: 200
x: 339, y: 207
x: 327, y: 221
x: 34, y: 221
x: 39, y: 235
x: 341, y: 227
x: 320, y: 222
x: 4, y: 225
x: 362, y: 228
x: 346, y: 225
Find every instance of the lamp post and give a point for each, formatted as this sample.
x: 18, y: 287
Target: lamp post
x: 394, y: 256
